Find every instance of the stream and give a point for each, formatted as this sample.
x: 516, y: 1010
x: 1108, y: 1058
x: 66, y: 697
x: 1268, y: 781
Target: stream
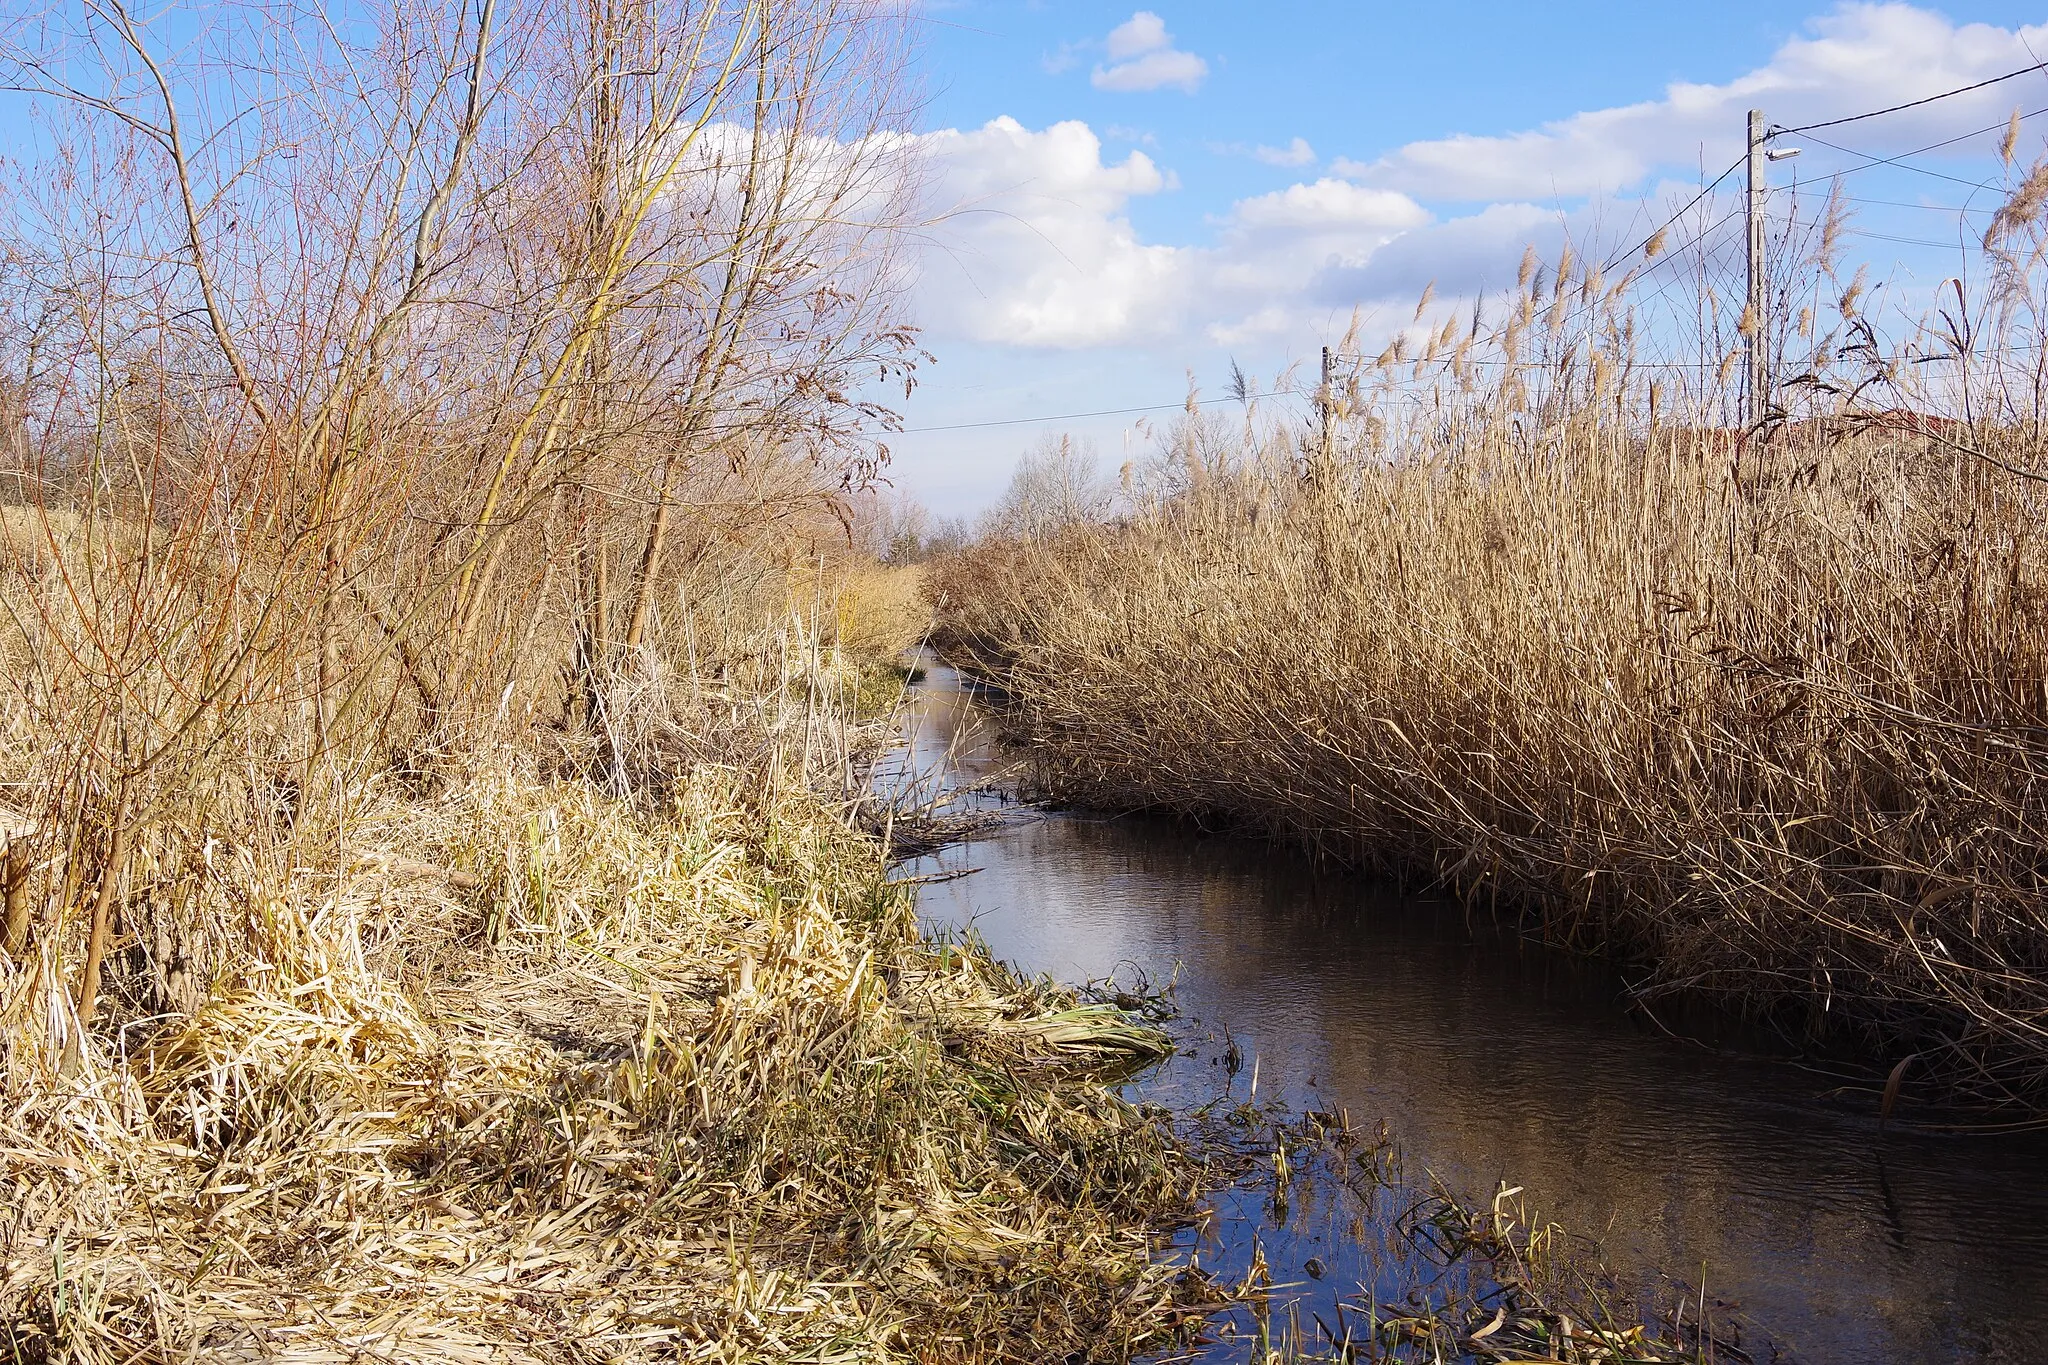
x: 1490, y: 1060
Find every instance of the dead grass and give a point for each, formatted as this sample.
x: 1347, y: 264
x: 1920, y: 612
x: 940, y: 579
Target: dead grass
x: 431, y: 928
x: 1770, y: 720
x: 879, y: 610
x: 525, y: 1073
x: 1763, y: 709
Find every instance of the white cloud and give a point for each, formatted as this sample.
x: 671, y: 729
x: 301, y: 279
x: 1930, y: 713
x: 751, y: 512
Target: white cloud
x: 1043, y: 253
x: 1327, y: 206
x: 1142, y: 32
x: 1045, y: 293
x: 1295, y: 153
x: 1142, y: 57
x: 1461, y: 256
x: 1268, y: 273
x: 1861, y: 56
x: 1036, y: 248
x: 1153, y: 71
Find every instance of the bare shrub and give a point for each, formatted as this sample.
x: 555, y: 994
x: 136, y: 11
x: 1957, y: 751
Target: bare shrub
x: 377, y: 391
x: 1057, y: 484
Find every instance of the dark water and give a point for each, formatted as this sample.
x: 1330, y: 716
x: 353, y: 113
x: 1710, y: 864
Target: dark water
x: 1491, y: 1060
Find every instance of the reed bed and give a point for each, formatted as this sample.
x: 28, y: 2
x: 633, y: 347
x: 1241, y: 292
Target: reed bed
x: 1763, y: 710
x: 1784, y: 747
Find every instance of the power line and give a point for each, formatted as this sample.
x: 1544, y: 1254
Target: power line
x: 1077, y: 416
x: 1907, y: 204
x: 1912, y: 104
x: 1906, y: 241
x: 1900, y: 161
x: 1903, y: 164
x: 1712, y: 185
x: 1870, y: 161
x: 1663, y: 258
x: 1904, y: 204
x: 1698, y: 238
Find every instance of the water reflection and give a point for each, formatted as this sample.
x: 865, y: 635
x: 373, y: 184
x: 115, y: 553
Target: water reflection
x: 1492, y: 1060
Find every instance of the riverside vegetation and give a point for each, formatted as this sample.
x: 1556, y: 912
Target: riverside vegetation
x: 1764, y: 711
x: 434, y: 668
x: 434, y: 672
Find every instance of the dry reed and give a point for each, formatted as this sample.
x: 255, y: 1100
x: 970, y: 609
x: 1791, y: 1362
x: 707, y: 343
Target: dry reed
x: 1764, y: 711
x: 432, y: 654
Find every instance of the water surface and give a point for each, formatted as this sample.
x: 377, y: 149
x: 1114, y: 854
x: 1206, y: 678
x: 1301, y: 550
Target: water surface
x: 1492, y: 1059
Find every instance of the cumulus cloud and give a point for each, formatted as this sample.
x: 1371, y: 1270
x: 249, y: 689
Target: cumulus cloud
x: 1142, y: 32
x: 1042, y: 252
x: 1260, y: 280
x: 1142, y: 57
x: 1861, y: 56
x: 1035, y: 246
x: 1461, y: 257
x: 1356, y: 216
x: 1153, y: 71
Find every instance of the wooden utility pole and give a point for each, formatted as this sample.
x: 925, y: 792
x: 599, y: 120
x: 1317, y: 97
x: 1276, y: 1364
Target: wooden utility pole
x: 1759, y: 358
x: 1323, y: 402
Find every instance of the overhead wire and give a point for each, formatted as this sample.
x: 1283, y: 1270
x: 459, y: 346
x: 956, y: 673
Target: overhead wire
x: 1078, y: 416
x: 1904, y: 204
x: 1869, y: 161
x: 1903, y: 164
x: 1663, y: 257
x: 1900, y: 161
x: 1711, y: 186
x: 1915, y: 104
x: 1908, y: 241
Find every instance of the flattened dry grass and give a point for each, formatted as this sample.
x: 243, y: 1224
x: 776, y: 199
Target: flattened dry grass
x: 526, y: 1073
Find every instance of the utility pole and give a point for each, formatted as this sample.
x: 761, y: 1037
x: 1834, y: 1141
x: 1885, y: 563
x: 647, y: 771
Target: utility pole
x: 1759, y: 358
x: 1324, y: 402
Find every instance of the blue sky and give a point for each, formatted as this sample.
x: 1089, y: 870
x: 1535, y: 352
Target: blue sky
x: 1123, y: 195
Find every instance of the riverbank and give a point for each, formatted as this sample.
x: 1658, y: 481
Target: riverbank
x: 524, y: 1072
x: 1366, y: 1105
x: 1771, y: 730
x: 582, y: 1024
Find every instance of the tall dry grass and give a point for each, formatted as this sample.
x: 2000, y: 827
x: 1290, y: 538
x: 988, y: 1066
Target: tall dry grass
x: 381, y: 394
x: 1765, y: 712
x: 433, y: 663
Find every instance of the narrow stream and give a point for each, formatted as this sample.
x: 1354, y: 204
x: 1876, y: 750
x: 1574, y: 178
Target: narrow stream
x: 1493, y: 1060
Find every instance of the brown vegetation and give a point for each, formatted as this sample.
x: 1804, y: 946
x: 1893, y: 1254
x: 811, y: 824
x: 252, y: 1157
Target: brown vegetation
x: 525, y: 1073
x: 432, y: 656
x: 1771, y: 719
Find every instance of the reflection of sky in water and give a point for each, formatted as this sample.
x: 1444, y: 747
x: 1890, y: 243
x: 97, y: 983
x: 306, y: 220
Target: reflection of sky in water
x: 1492, y: 1060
